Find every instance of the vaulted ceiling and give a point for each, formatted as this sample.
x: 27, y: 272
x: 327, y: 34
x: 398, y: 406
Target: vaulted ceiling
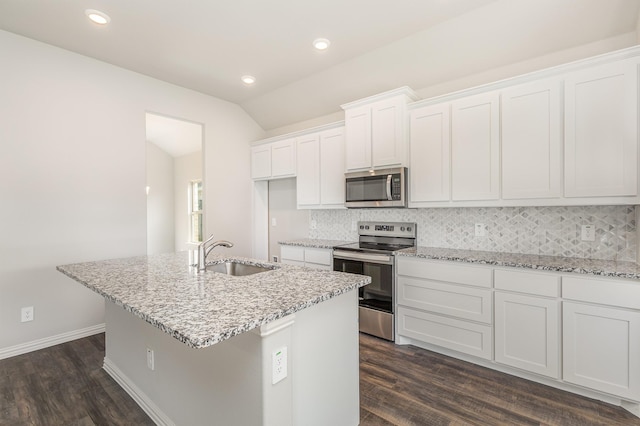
x: 376, y: 45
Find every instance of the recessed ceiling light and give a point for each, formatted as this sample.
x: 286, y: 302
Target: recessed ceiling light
x: 321, y: 43
x: 97, y: 17
x: 248, y: 79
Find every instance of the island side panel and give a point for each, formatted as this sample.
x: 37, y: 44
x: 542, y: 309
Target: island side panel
x: 221, y: 384
x: 325, y: 355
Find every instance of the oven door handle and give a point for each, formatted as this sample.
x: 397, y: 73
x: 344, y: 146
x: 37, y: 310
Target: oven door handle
x: 389, y: 197
x: 366, y: 257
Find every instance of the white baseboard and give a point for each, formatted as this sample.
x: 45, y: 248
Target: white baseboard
x: 35, y: 345
x: 149, y: 407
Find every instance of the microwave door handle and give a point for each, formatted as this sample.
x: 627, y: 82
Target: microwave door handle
x: 389, y: 187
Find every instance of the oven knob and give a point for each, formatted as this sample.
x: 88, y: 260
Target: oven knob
x: 402, y: 228
x: 366, y: 227
x: 409, y: 228
x: 361, y: 226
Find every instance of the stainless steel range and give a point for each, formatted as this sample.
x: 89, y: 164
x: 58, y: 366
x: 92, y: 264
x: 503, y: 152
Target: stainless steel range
x: 373, y: 255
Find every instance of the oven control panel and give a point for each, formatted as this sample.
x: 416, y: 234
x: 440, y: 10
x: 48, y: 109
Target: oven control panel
x: 388, y: 229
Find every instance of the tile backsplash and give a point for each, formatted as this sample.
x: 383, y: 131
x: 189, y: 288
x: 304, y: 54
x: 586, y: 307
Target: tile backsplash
x: 553, y: 231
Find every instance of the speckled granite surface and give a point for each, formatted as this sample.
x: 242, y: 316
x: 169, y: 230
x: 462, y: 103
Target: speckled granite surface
x: 530, y: 261
x: 315, y: 243
x: 202, y: 309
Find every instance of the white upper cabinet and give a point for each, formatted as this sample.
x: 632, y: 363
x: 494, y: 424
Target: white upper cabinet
x: 475, y: 145
x: 274, y: 160
x: 532, y: 140
x: 375, y: 130
x: 601, y: 130
x: 283, y: 158
x: 308, y: 178
x: 332, y: 183
x: 261, y: 162
x: 320, y: 179
x: 430, y: 144
x: 358, y: 133
x: 388, y: 141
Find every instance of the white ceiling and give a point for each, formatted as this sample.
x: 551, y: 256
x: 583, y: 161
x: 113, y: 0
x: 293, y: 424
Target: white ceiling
x: 173, y: 136
x: 206, y: 45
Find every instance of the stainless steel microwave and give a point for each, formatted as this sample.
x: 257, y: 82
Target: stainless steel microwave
x: 376, y: 188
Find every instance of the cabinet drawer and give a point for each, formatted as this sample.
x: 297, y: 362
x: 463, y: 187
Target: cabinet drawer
x: 603, y: 292
x: 470, y: 338
x: 319, y: 256
x: 454, y: 300
x: 292, y: 262
x: 527, y: 282
x: 292, y: 253
x: 445, y: 271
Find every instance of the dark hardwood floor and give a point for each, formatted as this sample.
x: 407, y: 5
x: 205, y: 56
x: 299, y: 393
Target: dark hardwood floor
x: 406, y: 385
x: 399, y: 385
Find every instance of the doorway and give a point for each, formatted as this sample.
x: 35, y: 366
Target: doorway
x: 174, y: 173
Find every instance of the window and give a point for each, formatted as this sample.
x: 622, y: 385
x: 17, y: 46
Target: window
x: 195, y: 211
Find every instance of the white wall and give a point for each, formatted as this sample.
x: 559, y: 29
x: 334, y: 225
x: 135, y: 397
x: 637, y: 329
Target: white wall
x: 186, y: 169
x: 72, y: 167
x: 160, y: 200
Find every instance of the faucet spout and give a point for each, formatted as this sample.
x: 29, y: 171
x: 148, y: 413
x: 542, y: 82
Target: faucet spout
x: 221, y: 243
x: 204, y: 250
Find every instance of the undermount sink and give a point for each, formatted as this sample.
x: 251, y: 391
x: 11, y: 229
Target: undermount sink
x: 238, y: 269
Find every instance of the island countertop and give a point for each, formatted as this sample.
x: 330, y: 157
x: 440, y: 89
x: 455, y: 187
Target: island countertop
x: 201, y: 309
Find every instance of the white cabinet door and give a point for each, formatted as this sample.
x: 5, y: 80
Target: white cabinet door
x: 601, y: 131
x: 601, y: 348
x: 332, y: 183
x: 358, y: 136
x: 532, y: 140
x: 283, y: 158
x: 475, y: 144
x: 308, y: 176
x: 430, y: 157
x: 387, y: 133
x: 261, y: 162
x: 527, y: 333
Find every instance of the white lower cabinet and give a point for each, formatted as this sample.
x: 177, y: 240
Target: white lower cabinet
x: 527, y: 333
x: 575, y: 331
x: 527, y: 321
x: 447, y: 305
x: 312, y: 257
x: 602, y: 348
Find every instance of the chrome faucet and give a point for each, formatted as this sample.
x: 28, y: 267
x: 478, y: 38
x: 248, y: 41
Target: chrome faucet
x: 203, y: 250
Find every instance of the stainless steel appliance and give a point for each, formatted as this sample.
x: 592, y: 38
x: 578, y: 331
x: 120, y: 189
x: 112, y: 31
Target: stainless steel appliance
x: 373, y: 255
x: 376, y: 188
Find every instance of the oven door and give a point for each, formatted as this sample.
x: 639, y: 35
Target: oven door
x: 379, y: 294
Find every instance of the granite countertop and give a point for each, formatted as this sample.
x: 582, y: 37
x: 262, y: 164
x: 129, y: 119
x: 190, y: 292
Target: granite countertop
x: 315, y: 243
x: 202, y: 309
x: 529, y: 261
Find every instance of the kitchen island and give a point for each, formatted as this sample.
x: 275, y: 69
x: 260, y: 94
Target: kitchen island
x: 202, y: 348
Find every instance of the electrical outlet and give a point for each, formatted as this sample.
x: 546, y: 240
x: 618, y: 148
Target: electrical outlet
x: 279, y: 364
x: 480, y: 230
x: 588, y: 233
x: 151, y: 362
x: 274, y: 221
x: 275, y: 259
x: 27, y: 314
x: 354, y: 225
